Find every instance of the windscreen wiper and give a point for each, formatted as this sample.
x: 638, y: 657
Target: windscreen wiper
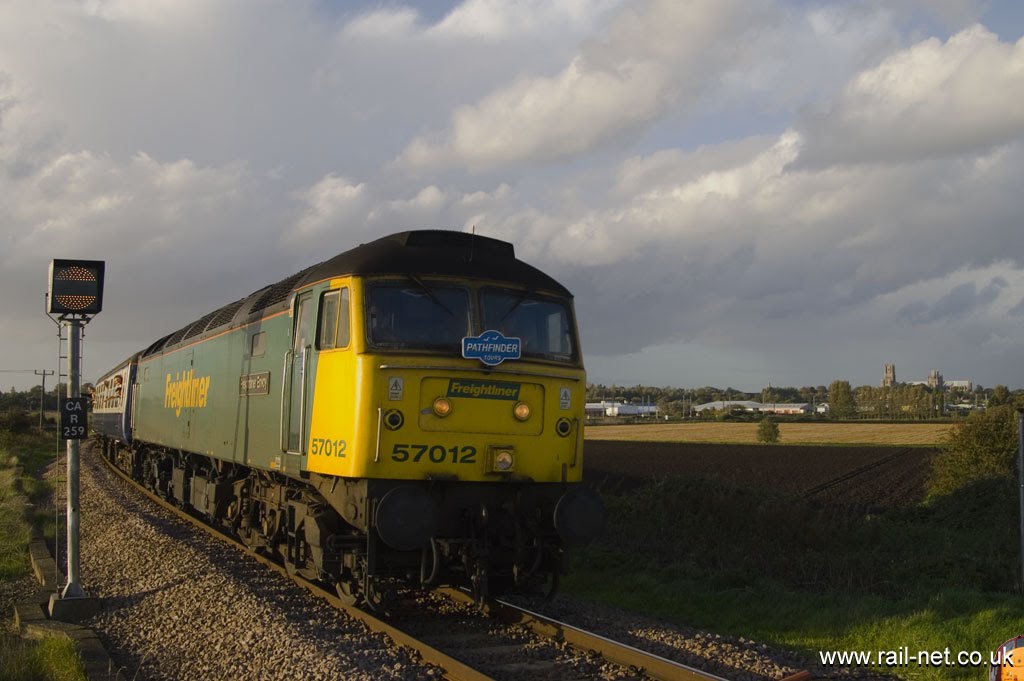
x: 430, y: 294
x: 522, y: 296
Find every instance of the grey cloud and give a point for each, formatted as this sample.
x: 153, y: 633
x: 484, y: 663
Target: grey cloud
x: 961, y: 301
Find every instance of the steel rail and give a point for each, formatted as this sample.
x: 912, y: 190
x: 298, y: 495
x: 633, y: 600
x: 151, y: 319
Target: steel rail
x: 653, y: 666
x: 453, y: 668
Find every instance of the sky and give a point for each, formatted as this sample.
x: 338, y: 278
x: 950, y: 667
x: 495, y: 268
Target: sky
x: 737, y: 192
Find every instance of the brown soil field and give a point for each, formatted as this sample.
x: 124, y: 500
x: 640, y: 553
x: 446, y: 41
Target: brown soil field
x: 865, y: 477
x: 927, y: 434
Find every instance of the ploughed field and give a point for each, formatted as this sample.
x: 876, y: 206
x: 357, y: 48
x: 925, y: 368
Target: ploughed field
x: 895, y: 434
x: 863, y: 477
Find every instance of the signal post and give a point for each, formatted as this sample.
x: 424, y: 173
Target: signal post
x: 75, y: 297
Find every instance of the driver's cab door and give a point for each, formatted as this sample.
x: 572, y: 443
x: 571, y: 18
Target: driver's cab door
x: 297, y: 362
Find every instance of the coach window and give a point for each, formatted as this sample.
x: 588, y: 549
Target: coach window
x: 334, y: 329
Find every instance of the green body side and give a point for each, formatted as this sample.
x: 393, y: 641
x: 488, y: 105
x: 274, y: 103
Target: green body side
x: 216, y: 419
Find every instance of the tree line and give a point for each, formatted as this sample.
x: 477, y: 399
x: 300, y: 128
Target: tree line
x: 901, y: 401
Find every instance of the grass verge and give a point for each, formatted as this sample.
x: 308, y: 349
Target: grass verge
x: 50, y: 659
x: 815, y: 577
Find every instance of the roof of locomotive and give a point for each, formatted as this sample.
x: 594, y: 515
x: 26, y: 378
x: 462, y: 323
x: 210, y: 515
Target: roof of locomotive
x: 421, y: 252
x: 437, y: 252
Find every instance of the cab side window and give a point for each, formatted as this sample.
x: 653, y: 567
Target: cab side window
x: 334, y: 323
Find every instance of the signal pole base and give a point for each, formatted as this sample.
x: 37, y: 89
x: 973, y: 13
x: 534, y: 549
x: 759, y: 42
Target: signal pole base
x: 73, y: 609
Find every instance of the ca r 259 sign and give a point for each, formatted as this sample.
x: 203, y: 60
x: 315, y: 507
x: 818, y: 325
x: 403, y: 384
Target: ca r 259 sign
x: 74, y: 418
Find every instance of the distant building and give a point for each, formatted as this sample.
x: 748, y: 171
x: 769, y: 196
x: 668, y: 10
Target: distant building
x: 935, y: 380
x: 718, y: 405
x: 604, y: 408
x: 889, y: 376
x: 751, y: 406
x: 960, y: 386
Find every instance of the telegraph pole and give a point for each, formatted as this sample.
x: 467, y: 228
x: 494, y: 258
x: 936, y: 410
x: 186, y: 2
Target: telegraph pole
x: 42, y: 396
x: 75, y: 297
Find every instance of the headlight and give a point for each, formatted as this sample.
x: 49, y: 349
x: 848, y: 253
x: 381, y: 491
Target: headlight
x: 521, y: 411
x: 442, y: 406
x: 393, y: 419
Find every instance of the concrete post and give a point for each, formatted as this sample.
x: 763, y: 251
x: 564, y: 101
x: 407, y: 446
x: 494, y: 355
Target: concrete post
x: 74, y: 587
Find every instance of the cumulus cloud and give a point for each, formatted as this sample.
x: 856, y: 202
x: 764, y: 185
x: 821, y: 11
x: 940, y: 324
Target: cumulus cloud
x: 499, y: 19
x: 331, y: 201
x: 654, y: 53
x: 934, y: 99
x: 719, y: 240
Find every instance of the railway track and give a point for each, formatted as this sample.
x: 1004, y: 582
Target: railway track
x: 497, y: 641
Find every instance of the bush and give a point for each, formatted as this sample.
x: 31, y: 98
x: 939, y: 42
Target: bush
x: 982, y: 446
x: 15, y: 420
x: 768, y: 431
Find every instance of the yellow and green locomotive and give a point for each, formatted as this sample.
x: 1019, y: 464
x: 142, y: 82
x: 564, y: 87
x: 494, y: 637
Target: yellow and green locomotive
x: 409, y: 411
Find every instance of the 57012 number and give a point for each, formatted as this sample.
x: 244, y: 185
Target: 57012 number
x: 435, y: 453
x: 328, y: 447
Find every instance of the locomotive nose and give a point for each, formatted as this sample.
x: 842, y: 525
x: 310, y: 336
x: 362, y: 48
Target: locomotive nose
x: 579, y: 516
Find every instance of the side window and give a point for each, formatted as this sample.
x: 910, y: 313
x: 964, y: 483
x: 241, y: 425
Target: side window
x: 334, y: 326
x: 303, y: 324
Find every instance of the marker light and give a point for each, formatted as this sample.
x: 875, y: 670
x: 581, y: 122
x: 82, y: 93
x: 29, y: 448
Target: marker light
x: 521, y: 411
x: 442, y: 406
x: 503, y: 461
x: 563, y: 427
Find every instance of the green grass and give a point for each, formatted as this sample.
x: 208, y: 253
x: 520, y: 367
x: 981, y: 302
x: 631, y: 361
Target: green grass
x: 51, y: 659
x: 815, y: 577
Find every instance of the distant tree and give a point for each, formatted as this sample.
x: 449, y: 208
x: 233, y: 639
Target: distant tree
x: 840, y: 400
x: 1000, y: 395
x: 984, y: 445
x: 768, y: 431
x: 15, y: 420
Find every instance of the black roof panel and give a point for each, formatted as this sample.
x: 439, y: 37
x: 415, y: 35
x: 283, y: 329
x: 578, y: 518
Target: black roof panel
x: 421, y: 252
x: 437, y: 252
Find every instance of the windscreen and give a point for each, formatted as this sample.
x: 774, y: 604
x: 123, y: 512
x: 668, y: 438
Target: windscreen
x: 543, y: 324
x: 417, y: 315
